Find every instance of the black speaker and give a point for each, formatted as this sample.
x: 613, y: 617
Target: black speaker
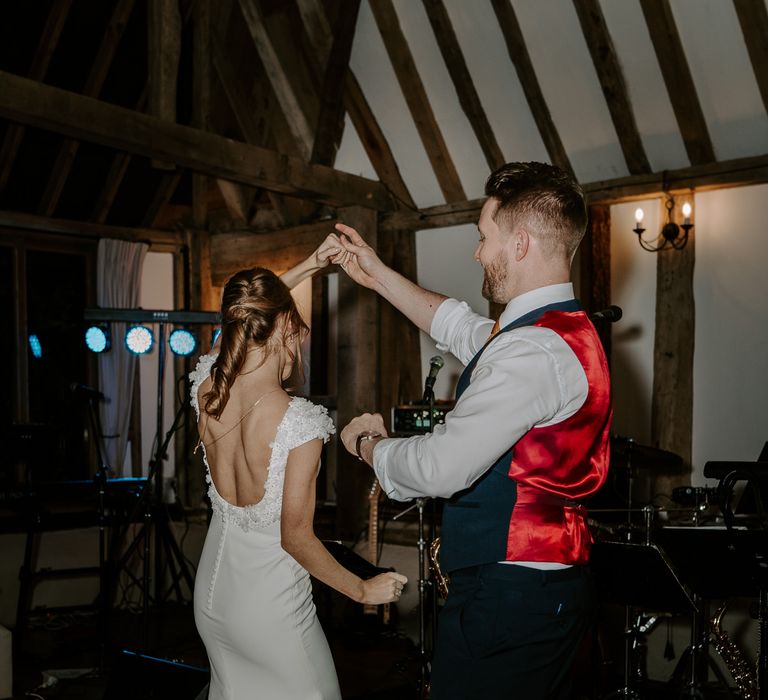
x: 137, y: 676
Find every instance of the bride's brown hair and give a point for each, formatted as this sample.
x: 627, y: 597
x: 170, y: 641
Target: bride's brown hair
x: 253, y: 303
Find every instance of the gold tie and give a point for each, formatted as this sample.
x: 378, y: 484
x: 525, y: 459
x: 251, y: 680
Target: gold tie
x: 494, y: 330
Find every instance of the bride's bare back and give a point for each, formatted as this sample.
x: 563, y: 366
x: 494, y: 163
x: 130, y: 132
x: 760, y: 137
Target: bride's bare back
x: 238, y: 445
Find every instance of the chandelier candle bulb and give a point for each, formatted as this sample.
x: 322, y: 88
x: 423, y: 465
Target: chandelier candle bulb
x: 639, y: 215
x: 687, y: 213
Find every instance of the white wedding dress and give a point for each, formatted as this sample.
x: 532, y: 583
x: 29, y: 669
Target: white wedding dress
x: 253, y: 601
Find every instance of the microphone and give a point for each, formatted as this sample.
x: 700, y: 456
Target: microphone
x: 435, y: 365
x: 84, y: 390
x: 611, y: 314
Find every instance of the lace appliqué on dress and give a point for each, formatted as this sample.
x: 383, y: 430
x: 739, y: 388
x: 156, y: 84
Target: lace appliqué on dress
x: 303, y: 421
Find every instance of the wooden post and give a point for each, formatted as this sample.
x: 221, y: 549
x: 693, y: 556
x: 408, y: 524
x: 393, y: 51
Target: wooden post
x: 358, y: 385
x: 595, y: 268
x: 399, y: 348
x: 164, y: 52
x: 672, y: 400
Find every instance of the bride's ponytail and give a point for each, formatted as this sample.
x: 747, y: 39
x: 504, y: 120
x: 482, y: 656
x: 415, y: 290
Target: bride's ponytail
x: 252, y: 304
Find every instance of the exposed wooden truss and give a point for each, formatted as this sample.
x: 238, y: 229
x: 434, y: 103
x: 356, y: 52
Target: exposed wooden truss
x: 97, y: 76
x: 729, y: 173
x: 513, y: 36
x: 417, y: 100
x: 330, y: 120
x: 49, y: 38
x: 753, y: 18
x: 462, y: 81
x: 613, y: 84
x: 295, y: 117
x: 84, y: 118
x: 162, y: 241
x: 363, y: 119
x: 677, y: 77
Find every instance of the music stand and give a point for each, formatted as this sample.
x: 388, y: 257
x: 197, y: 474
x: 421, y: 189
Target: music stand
x: 640, y: 577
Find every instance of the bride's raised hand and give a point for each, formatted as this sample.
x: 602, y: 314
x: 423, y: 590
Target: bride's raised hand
x: 384, y: 588
x: 329, y: 251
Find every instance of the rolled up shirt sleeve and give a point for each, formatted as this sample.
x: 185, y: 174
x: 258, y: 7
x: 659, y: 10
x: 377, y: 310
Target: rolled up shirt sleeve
x: 459, y: 330
x: 525, y: 378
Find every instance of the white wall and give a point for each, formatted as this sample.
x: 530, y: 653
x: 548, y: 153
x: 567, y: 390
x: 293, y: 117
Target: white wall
x: 730, y: 391
x: 633, y: 288
x: 730, y: 286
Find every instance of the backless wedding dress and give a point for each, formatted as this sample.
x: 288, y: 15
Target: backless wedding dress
x: 253, y: 601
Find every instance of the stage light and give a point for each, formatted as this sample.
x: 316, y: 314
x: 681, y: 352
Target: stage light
x: 216, y: 335
x: 139, y: 340
x: 98, y: 338
x: 35, y: 347
x: 182, y: 342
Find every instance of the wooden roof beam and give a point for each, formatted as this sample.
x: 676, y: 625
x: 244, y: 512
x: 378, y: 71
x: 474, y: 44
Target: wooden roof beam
x: 229, y: 77
x: 462, y: 81
x: 163, y: 57
x: 63, y: 112
x: 49, y: 38
x: 201, y: 101
x: 417, y: 100
x: 513, y: 36
x: 374, y: 142
x: 163, y: 241
x: 362, y: 116
x: 612, y: 82
x: 98, y: 74
x: 677, y: 77
x: 753, y: 18
x: 295, y: 116
x: 728, y: 173
x: 330, y: 120
x: 121, y: 161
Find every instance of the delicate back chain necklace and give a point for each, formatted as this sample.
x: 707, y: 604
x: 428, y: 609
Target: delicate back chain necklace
x: 230, y: 429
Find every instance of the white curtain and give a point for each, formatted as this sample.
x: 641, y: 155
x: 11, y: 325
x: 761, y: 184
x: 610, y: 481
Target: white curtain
x: 118, y: 279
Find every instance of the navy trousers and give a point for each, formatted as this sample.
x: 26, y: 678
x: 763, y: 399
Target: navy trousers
x: 511, y: 632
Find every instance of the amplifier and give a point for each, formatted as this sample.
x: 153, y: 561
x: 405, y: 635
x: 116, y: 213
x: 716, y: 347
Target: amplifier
x: 413, y: 418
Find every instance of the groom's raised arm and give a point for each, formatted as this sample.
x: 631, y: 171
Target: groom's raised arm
x: 366, y: 268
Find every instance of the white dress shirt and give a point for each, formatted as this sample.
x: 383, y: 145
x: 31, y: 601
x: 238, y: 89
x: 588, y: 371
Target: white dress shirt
x: 526, y: 378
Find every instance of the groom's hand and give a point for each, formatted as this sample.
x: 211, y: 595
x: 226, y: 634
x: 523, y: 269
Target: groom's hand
x: 372, y: 423
x: 361, y: 264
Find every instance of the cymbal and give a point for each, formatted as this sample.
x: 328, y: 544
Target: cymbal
x: 625, y: 451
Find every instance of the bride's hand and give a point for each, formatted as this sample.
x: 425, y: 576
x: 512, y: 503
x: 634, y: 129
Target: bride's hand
x: 384, y: 588
x: 330, y: 250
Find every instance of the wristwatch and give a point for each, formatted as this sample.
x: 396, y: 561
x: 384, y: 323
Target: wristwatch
x: 365, y: 435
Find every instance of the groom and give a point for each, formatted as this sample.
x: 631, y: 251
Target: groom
x: 527, y: 440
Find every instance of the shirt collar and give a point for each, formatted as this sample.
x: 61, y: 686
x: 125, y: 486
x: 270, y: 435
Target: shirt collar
x: 536, y: 298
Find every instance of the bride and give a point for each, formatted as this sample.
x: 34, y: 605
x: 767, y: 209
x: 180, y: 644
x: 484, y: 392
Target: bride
x: 253, y: 600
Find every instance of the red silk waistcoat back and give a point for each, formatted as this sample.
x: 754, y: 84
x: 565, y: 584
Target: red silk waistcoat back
x: 558, y: 464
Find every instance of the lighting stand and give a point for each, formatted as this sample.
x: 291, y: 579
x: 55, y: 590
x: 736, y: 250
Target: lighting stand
x: 155, y: 513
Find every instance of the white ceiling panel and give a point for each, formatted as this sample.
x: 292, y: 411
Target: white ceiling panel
x: 351, y: 156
